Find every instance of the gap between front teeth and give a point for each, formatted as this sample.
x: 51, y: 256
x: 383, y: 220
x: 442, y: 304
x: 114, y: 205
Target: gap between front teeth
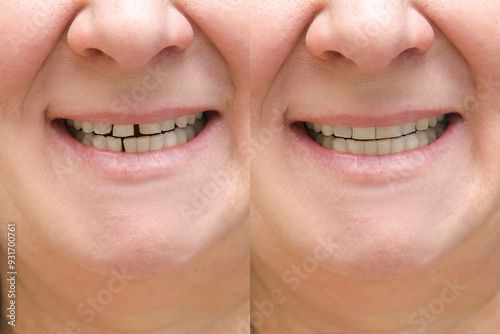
x: 379, y: 140
x: 137, y: 138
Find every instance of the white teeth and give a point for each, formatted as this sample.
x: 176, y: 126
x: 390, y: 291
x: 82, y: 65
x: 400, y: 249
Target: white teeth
x: 408, y: 128
x: 87, y: 139
x: 121, y: 138
x: 432, y: 135
x: 363, y: 133
x: 389, y: 132
x: 371, y: 147
x: 87, y: 127
x: 114, y: 144
x: 411, y: 142
x: 327, y: 130
x: 423, y: 124
x: 100, y: 142
x: 190, y: 133
x: 181, y: 136
x: 379, y: 140
x: 340, y: 144
x: 423, y: 138
x: 181, y: 122
x: 328, y: 142
x: 317, y: 127
x: 343, y: 132
x: 191, y: 119
x: 130, y: 145
x: 77, y: 125
x: 169, y: 139
x: 167, y: 125
x: 102, y: 129
x: 143, y: 144
x: 397, y: 145
x: 433, y: 121
x: 123, y: 130
x: 149, y: 129
x: 355, y: 146
x: 156, y: 143
x: 384, y: 146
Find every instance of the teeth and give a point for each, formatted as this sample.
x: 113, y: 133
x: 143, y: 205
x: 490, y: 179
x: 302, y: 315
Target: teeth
x: 190, y: 133
x: 397, y: 145
x: 384, y: 146
x: 77, y: 125
x: 181, y: 122
x: 181, y: 136
x: 423, y: 124
x: 100, y: 142
x: 191, y: 119
x: 102, y: 129
x: 340, y: 144
x: 156, y: 143
x: 343, y: 132
x: 411, y: 142
x: 327, y: 130
x: 130, y: 145
x: 123, y: 130
x: 169, y: 139
x: 88, y: 139
x: 167, y: 125
x: 408, y: 128
x: 355, y: 146
x: 121, y: 138
x: 379, y: 140
x: 87, y: 127
x: 143, y: 144
x: 149, y: 129
x: 363, y: 133
x: 389, y: 132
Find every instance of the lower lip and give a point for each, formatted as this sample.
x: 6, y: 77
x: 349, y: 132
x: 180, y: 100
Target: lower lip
x: 132, y: 166
x: 378, y: 169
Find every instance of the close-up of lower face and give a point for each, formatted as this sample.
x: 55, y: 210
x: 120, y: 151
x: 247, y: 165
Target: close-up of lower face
x: 379, y: 122
x: 121, y: 123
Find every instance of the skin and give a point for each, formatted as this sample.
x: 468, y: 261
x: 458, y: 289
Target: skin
x: 338, y: 254
x: 78, y: 229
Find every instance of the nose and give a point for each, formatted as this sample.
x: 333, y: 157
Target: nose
x: 131, y: 32
x: 370, y: 33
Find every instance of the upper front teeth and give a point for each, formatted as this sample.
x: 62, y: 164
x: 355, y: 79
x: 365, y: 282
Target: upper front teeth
x: 165, y: 134
x: 379, y: 140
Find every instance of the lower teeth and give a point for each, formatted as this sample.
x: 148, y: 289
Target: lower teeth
x: 417, y: 139
x: 140, y: 144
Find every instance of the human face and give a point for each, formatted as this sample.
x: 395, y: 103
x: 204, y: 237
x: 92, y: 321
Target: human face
x: 124, y: 62
x: 361, y: 64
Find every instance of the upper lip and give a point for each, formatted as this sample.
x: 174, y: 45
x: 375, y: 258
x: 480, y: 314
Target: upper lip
x: 134, y: 117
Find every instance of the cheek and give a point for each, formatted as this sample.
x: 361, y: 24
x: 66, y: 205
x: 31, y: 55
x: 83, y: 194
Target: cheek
x: 29, y: 31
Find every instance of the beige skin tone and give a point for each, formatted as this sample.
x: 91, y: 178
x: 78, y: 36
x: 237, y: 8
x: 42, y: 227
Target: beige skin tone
x: 388, y: 248
x: 76, y: 227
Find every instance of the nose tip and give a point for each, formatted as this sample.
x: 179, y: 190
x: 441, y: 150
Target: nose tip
x: 130, y: 32
x: 368, y: 33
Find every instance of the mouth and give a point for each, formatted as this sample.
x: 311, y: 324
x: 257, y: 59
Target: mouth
x: 379, y: 141
x: 138, y: 138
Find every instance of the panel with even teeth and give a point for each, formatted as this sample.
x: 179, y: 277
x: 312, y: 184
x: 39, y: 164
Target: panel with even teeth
x: 379, y: 140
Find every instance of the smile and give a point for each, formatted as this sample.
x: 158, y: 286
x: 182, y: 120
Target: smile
x: 138, y: 138
x: 377, y: 141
